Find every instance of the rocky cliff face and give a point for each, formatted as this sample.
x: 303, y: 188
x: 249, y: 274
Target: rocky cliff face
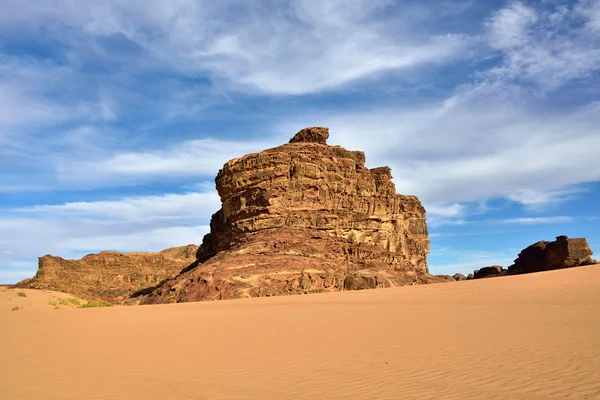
x: 545, y: 256
x: 110, y: 275
x: 305, y: 217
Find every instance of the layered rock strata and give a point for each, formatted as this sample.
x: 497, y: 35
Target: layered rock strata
x: 305, y: 217
x: 110, y: 276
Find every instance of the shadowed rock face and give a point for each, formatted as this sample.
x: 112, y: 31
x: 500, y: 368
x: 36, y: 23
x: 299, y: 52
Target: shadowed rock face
x: 110, y: 275
x: 486, y: 272
x: 305, y: 217
x: 545, y: 256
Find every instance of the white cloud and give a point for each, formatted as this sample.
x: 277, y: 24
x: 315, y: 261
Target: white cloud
x: 294, y: 47
x: 537, y: 220
x: 508, y: 27
x: 448, y: 214
x: 451, y: 210
x: 135, y: 209
x: 546, y: 47
x: 194, y: 158
x: 539, y: 199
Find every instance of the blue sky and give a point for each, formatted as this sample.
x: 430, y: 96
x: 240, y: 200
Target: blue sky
x: 115, y: 116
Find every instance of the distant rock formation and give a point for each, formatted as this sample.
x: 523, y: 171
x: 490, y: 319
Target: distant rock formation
x: 109, y: 276
x: 486, y: 272
x: 545, y: 256
x: 445, y: 278
x: 305, y: 217
x: 459, y: 277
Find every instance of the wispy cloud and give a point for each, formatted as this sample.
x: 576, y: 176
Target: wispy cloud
x: 194, y: 158
x: 140, y: 223
x: 292, y: 47
x: 540, y: 199
x: 549, y: 46
x: 537, y: 220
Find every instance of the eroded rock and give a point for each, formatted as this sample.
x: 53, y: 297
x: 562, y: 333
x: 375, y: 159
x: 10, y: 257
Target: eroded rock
x: 459, y: 277
x: 485, y: 272
x: 545, y: 256
x: 305, y: 217
x: 109, y: 275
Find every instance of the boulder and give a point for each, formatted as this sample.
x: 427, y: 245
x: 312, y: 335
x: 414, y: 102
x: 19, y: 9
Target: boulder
x: 459, y: 277
x: 545, y: 256
x: 305, y: 217
x: 486, y: 272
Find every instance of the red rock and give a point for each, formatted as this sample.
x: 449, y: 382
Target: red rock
x: 305, y: 217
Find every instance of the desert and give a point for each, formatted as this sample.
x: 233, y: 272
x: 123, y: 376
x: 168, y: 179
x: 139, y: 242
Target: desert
x: 529, y: 336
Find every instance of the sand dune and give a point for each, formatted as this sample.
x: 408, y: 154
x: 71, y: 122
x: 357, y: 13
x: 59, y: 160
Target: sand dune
x: 519, y: 337
x: 35, y: 300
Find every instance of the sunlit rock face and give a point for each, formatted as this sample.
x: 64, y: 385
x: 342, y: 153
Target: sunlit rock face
x: 302, y: 217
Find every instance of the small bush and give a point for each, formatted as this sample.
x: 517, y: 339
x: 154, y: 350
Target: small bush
x: 21, y: 294
x: 16, y: 308
x: 74, y: 301
x: 95, y: 303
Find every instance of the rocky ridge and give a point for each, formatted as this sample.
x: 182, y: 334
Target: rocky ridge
x: 305, y: 217
x: 109, y: 275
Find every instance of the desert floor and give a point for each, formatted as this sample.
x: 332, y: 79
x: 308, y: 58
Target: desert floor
x: 521, y: 337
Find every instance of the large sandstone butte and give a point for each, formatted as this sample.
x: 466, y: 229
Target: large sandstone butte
x: 545, y: 256
x: 110, y: 275
x: 305, y: 217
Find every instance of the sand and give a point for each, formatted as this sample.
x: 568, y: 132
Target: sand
x: 533, y: 336
x: 34, y: 300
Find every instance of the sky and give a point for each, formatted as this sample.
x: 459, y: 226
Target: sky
x: 115, y: 116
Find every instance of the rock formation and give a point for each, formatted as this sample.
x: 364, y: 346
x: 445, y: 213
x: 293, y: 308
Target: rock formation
x: 110, y: 275
x: 545, y: 256
x: 459, y: 277
x: 486, y: 272
x: 305, y: 217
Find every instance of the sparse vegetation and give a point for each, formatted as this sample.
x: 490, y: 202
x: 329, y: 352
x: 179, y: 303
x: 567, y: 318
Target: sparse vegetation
x: 21, y: 294
x: 16, y: 308
x: 74, y: 301
x: 95, y: 303
x: 63, y: 302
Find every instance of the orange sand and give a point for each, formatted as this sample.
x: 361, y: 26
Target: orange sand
x: 524, y: 337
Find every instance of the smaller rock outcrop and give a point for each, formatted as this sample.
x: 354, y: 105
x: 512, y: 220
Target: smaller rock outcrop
x: 445, y: 278
x: 546, y: 256
x: 109, y: 275
x: 459, y: 277
x: 486, y: 272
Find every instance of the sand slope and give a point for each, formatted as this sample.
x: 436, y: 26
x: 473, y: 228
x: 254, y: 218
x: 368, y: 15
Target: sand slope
x: 13, y: 300
x: 519, y: 337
